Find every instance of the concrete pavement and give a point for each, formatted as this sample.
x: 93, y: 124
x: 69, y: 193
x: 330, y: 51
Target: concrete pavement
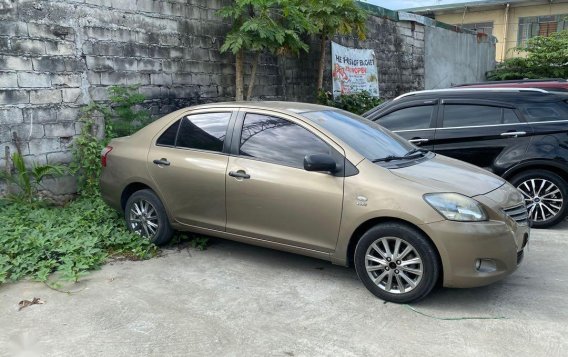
x: 239, y: 300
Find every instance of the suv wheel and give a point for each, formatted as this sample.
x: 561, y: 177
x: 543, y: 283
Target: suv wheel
x: 396, y: 263
x: 146, y: 216
x: 545, y: 196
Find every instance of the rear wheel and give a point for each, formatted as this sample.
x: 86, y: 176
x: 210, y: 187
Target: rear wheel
x: 545, y: 195
x: 396, y: 263
x: 145, y: 215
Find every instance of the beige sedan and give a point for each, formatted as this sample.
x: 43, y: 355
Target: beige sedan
x: 321, y: 182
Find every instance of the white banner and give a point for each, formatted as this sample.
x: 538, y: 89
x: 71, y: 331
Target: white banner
x: 353, y: 70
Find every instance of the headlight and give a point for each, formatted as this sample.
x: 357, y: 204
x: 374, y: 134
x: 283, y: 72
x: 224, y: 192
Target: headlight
x: 456, y: 207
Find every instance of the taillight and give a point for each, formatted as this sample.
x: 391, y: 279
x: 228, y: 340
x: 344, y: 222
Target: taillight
x: 104, y: 154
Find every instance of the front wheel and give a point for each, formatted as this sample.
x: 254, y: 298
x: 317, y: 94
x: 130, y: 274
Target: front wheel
x: 396, y: 263
x: 146, y: 216
x: 545, y: 196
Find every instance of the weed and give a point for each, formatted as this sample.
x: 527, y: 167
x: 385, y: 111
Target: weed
x: 28, y: 182
x: 70, y: 240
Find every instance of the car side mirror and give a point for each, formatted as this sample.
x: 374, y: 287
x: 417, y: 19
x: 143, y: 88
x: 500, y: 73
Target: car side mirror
x: 320, y: 163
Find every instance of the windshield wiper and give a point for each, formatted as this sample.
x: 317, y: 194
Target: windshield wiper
x: 411, y: 155
x: 416, y: 151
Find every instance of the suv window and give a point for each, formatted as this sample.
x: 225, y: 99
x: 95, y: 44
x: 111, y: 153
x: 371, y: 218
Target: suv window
x: 205, y: 131
x: 278, y: 140
x: 545, y: 111
x: 168, y: 137
x: 476, y: 115
x: 510, y: 117
x: 408, y: 118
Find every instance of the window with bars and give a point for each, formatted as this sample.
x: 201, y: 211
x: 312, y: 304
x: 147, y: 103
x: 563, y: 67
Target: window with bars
x: 483, y: 27
x: 530, y: 27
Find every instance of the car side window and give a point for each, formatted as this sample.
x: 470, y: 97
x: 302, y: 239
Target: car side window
x: 168, y: 137
x: 510, y: 117
x: 474, y: 115
x: 538, y: 112
x: 205, y: 131
x: 277, y: 140
x: 408, y: 118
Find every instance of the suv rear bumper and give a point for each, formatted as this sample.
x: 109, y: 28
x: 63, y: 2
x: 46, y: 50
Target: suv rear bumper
x: 463, y: 245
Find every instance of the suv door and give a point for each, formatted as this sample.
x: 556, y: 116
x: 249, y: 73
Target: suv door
x: 414, y: 121
x: 269, y: 194
x: 485, y: 133
x: 549, y: 122
x: 188, y: 161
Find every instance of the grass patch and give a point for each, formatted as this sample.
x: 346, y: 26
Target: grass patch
x: 36, y: 240
x: 195, y: 241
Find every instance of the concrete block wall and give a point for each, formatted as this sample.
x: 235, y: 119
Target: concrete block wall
x: 57, y: 56
x: 399, y: 47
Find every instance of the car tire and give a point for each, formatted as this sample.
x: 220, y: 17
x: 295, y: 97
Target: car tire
x: 532, y: 184
x: 145, y: 215
x: 375, y: 275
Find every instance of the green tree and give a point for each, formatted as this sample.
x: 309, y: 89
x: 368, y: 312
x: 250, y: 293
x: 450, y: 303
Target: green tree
x: 275, y: 26
x: 335, y: 17
x: 546, y: 57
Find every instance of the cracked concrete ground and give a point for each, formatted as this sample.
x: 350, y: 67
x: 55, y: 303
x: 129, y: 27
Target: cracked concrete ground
x: 239, y: 300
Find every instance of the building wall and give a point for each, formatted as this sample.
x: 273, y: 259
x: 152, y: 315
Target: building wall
x: 456, y: 58
x: 399, y: 47
x: 508, y: 41
x: 57, y: 56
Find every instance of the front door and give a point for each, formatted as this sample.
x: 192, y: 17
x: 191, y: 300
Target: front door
x: 414, y: 121
x: 269, y: 194
x: 188, y: 166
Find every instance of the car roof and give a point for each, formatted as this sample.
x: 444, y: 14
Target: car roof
x: 511, y: 95
x: 553, y: 86
x: 527, y: 83
x: 290, y: 107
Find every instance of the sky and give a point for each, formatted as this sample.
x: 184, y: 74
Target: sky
x: 404, y: 4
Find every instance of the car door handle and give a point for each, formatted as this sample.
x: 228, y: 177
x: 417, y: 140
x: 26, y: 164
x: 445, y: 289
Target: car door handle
x: 514, y: 133
x: 418, y: 141
x: 239, y: 175
x: 162, y: 162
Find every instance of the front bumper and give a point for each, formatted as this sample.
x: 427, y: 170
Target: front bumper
x: 461, y: 245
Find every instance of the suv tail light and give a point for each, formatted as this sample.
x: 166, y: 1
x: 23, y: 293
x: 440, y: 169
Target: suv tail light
x: 104, y: 154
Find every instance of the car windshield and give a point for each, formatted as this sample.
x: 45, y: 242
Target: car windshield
x: 368, y: 138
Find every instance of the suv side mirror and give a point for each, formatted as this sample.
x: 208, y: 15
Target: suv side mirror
x: 320, y: 162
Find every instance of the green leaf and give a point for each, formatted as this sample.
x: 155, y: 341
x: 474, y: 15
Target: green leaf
x: 36, y: 241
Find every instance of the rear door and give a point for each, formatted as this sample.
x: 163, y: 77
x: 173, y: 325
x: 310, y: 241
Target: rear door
x: 188, y: 162
x: 549, y: 121
x: 480, y: 132
x: 414, y: 121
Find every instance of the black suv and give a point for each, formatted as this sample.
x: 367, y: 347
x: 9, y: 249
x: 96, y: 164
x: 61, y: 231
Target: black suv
x: 519, y: 134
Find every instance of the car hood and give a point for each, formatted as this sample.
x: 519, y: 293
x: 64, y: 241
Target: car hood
x: 449, y: 175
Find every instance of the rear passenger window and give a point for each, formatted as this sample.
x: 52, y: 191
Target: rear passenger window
x: 408, y: 118
x: 475, y: 115
x: 203, y: 131
x: 168, y: 137
x: 537, y: 112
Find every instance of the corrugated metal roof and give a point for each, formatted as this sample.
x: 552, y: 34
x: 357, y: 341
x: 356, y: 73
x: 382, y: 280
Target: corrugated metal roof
x: 479, y: 4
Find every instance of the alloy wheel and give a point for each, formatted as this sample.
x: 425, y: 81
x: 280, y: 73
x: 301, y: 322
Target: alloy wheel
x: 394, y: 265
x: 543, y: 199
x: 144, y: 219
